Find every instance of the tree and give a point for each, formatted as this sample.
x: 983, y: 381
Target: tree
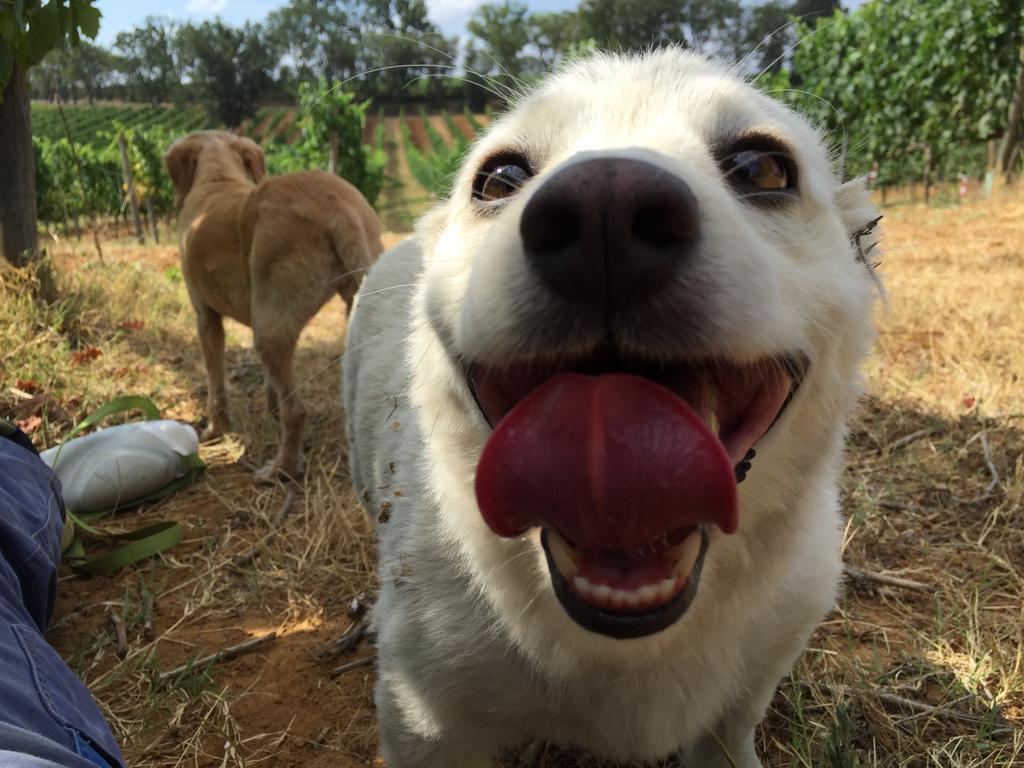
x: 233, y: 67
x: 809, y: 11
x: 640, y: 24
x: 710, y: 24
x: 73, y: 72
x: 150, y: 60
x: 401, y: 45
x: 633, y: 24
x: 320, y: 36
x: 28, y: 31
x: 767, y: 35
x: 503, y: 30
x: 552, y: 34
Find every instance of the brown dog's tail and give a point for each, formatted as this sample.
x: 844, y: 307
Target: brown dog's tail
x: 355, y: 239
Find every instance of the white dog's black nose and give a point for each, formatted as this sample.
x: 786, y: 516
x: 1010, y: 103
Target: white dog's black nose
x: 610, y: 233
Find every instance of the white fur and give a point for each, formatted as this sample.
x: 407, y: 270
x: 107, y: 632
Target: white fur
x: 475, y: 652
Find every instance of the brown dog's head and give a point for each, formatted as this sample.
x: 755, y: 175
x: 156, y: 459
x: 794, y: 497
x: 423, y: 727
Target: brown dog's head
x: 227, y: 154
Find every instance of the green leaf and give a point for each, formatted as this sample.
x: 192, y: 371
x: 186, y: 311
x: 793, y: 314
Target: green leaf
x: 86, y: 17
x: 43, y: 33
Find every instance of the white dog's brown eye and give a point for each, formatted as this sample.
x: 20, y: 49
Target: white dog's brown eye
x: 760, y: 169
x: 501, y: 177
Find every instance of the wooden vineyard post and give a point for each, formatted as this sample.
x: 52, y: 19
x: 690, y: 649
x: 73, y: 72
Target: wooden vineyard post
x: 126, y: 170
x: 152, y: 220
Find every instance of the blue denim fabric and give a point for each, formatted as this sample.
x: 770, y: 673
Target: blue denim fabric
x: 40, y: 698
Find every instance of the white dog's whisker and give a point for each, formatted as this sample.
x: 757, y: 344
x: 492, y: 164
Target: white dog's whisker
x: 782, y: 56
x: 386, y: 289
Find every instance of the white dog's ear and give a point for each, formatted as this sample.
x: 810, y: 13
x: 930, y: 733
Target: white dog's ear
x: 855, y: 207
x: 181, y: 165
x: 860, y: 218
x: 252, y: 158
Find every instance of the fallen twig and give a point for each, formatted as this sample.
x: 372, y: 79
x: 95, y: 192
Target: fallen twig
x: 921, y: 708
x: 942, y: 710
x: 912, y: 437
x: 147, y: 617
x: 248, y: 555
x: 860, y: 574
x: 899, y: 506
x: 991, y: 466
x: 344, y: 644
x: 225, y: 654
x: 363, y: 662
x: 120, y: 634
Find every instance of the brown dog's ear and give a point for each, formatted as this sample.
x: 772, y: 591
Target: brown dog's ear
x: 181, y: 165
x: 252, y: 157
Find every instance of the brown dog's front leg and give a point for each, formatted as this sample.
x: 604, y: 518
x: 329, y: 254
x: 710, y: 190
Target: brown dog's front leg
x: 211, y: 338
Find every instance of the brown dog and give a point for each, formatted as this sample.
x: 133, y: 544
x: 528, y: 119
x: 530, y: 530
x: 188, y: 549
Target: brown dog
x: 268, y: 253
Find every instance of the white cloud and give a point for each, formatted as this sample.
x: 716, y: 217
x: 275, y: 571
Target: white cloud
x: 206, y: 7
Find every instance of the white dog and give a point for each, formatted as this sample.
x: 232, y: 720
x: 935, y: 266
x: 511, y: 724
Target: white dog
x: 644, y: 270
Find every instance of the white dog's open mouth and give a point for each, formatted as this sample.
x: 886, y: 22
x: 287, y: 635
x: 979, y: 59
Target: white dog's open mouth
x: 624, y: 467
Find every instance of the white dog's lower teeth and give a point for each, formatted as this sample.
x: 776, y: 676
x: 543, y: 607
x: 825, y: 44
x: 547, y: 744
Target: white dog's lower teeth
x: 667, y: 588
x: 566, y: 561
x: 649, y: 596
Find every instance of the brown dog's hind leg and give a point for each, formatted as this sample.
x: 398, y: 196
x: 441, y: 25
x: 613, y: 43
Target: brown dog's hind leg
x: 211, y: 338
x: 277, y: 353
x: 271, y: 397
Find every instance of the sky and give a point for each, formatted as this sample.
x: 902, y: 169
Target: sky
x: 121, y: 15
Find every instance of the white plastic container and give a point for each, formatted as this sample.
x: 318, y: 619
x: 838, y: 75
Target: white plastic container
x: 121, y: 464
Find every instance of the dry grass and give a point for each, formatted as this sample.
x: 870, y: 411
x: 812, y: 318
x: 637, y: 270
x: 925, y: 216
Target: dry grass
x: 894, y: 677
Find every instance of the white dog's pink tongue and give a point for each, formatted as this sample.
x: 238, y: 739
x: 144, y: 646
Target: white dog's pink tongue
x: 611, y: 462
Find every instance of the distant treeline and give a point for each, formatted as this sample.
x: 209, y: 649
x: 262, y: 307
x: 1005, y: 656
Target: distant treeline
x: 389, y: 51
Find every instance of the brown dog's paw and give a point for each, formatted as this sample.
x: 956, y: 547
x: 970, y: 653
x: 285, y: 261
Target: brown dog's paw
x: 267, y: 473
x: 211, y: 432
x: 275, y: 469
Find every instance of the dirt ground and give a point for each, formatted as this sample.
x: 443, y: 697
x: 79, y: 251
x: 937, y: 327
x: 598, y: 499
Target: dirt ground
x: 927, y: 671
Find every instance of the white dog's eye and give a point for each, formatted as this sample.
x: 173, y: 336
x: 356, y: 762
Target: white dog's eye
x: 760, y: 168
x: 500, y: 177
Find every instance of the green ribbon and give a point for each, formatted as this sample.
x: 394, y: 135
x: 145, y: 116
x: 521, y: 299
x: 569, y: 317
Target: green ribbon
x: 142, y: 542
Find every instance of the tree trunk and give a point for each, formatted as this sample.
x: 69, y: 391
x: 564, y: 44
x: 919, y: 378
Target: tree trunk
x: 1011, y: 138
x: 926, y: 148
x: 18, y: 237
